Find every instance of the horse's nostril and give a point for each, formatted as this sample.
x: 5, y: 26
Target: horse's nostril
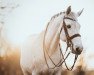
x: 78, y: 50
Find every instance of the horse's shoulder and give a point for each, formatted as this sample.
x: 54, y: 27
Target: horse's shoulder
x: 34, y: 38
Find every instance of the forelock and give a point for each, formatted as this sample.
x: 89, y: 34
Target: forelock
x: 72, y: 15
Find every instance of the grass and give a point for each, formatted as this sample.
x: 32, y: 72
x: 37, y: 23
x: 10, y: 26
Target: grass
x: 9, y: 65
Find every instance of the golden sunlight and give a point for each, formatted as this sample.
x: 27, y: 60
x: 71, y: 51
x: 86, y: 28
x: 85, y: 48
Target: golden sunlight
x: 21, y: 18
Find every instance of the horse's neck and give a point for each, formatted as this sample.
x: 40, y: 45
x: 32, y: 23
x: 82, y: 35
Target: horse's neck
x: 52, y: 36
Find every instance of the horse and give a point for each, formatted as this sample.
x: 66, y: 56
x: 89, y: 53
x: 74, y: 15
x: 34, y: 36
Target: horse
x: 41, y: 52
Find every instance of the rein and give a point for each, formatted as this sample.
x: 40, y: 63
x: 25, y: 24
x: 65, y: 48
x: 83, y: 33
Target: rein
x: 69, y: 45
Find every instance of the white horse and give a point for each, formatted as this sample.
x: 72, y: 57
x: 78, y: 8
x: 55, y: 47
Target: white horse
x: 32, y: 56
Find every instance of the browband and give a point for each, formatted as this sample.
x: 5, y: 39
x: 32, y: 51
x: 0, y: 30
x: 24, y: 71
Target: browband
x: 69, y: 18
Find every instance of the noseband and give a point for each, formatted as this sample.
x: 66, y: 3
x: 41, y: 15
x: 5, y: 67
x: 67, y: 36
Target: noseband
x: 69, y: 45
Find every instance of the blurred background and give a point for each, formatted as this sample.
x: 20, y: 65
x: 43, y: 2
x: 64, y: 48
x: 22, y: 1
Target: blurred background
x: 21, y: 18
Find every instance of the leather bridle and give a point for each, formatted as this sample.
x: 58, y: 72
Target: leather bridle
x: 69, y: 45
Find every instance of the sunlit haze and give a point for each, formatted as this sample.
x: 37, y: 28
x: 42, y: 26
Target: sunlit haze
x: 31, y: 17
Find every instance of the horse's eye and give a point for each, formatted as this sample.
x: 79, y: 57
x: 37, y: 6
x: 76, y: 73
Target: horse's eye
x: 68, y: 26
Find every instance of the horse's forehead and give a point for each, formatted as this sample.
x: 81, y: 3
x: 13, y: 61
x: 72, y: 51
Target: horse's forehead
x: 73, y: 23
x: 72, y: 15
x: 68, y: 21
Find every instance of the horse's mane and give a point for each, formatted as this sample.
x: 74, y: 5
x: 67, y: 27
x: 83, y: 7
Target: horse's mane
x: 56, y: 15
x: 71, y: 15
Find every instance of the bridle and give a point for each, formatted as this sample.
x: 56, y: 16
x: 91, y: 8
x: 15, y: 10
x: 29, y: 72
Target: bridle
x: 69, y: 45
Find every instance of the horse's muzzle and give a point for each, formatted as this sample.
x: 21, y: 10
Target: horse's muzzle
x: 77, y: 51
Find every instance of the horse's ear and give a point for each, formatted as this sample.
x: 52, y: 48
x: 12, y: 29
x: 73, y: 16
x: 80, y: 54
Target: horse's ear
x: 80, y: 12
x: 68, y: 10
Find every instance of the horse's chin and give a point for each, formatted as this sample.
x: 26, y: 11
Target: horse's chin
x: 77, y: 53
x: 64, y: 41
